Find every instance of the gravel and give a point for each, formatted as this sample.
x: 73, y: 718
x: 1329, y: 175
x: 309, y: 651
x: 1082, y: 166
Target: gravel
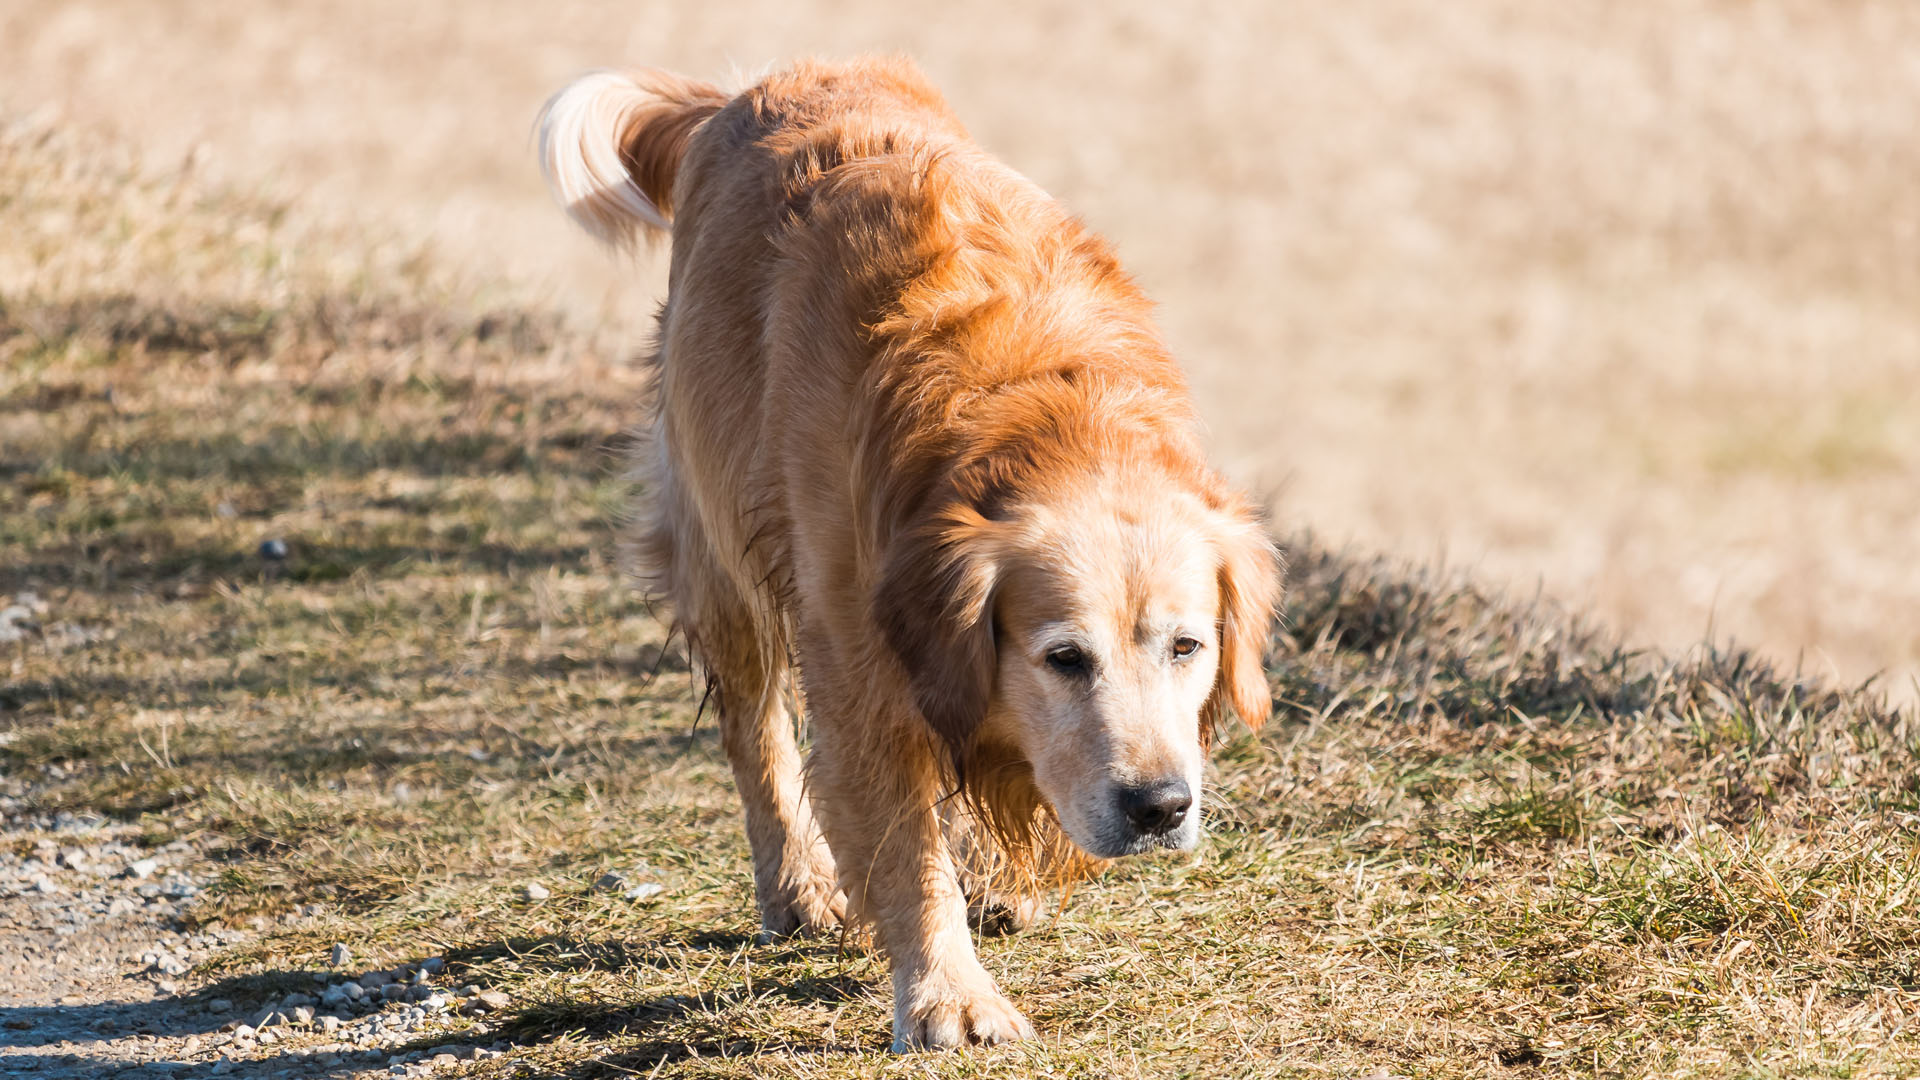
x: 98, y: 972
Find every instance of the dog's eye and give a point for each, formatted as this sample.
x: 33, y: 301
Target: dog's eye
x: 1068, y: 660
x: 1184, y: 647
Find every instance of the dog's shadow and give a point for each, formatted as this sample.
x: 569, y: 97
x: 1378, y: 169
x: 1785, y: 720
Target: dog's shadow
x: 653, y: 1030
x: 665, y: 1028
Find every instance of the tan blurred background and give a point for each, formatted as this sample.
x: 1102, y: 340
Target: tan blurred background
x: 1621, y: 300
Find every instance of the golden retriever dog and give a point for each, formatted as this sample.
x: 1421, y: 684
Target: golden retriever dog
x: 916, y: 441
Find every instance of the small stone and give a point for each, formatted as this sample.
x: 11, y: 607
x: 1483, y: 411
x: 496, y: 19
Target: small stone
x: 419, y: 993
x: 537, y: 891
x: 435, y: 1001
x: 45, y: 886
x: 243, y: 1031
x: 611, y: 881
x: 354, y: 991
x: 433, y: 965
x: 302, y: 1015
x: 420, y: 977
x: 329, y: 1024
x: 469, y: 990
x: 493, y: 1000
x: 140, y: 868
x: 166, y: 986
x: 393, y: 991
x: 73, y: 858
x: 374, y: 980
x: 444, y: 1059
x: 294, y: 1001
x: 273, y: 550
x: 646, y: 890
x: 268, y: 1038
x: 339, y: 956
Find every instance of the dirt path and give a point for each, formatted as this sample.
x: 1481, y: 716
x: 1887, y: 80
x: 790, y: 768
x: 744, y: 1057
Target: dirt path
x: 95, y: 962
x: 91, y: 946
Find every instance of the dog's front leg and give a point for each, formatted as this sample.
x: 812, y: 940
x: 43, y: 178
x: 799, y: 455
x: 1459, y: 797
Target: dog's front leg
x: 878, y: 798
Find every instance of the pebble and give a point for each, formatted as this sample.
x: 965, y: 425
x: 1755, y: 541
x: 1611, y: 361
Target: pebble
x: 339, y: 956
x: 537, y: 891
x: 611, y: 881
x: 140, y: 868
x: 219, y: 1005
x: 646, y: 890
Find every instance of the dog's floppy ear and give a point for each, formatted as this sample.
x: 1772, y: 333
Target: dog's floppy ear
x: 1249, y: 592
x: 934, y: 603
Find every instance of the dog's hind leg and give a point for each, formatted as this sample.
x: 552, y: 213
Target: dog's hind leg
x: 793, y: 872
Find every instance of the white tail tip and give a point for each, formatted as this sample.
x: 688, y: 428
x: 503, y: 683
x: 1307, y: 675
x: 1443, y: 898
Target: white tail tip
x: 581, y: 128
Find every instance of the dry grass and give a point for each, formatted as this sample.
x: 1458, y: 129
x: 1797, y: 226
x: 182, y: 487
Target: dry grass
x: 1614, y: 297
x: 1478, y: 839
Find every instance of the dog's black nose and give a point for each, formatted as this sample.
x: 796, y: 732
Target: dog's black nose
x: 1157, y: 808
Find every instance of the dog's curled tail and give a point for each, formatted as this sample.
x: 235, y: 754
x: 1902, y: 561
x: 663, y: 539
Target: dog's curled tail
x: 611, y: 144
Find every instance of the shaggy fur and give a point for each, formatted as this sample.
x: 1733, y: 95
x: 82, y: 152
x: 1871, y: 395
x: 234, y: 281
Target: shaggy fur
x: 917, y: 437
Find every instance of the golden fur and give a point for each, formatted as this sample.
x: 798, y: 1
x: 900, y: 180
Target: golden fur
x: 918, y: 442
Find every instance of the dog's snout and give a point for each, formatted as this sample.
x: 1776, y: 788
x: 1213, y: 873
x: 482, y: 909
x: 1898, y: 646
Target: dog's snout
x: 1157, y: 808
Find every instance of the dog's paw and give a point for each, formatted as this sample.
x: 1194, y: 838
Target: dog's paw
x: 998, y: 914
x: 809, y: 907
x: 956, y: 1018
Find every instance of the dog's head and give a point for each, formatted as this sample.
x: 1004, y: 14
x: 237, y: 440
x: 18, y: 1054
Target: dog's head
x: 1096, y: 631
